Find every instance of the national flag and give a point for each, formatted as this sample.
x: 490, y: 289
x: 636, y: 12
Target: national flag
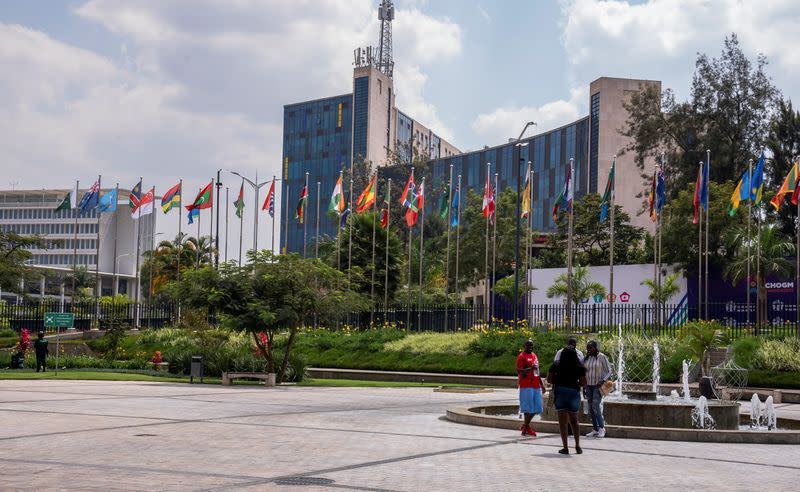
x: 417, y: 205
x: 239, y: 202
x: 108, y: 202
x: 444, y: 202
x: 367, y: 197
x: 90, y: 198
x: 172, y: 198
x: 652, y: 199
x: 384, y: 218
x: 757, y: 181
x: 454, y: 207
x: 343, y: 218
x: 789, y: 186
x: 193, y: 213
x: 70, y: 201
x: 564, y: 199
x: 337, y: 198
x: 488, y: 198
x: 606, y: 200
x: 135, y: 195
x: 145, y: 206
x: 204, y: 198
x: 661, y: 190
x: 698, y: 185
x: 526, y: 195
x: 409, y: 188
x: 269, y: 202
x: 704, y: 184
x: 301, y: 204
x: 740, y: 193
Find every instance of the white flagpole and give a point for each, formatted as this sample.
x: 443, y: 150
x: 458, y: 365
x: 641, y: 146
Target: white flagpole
x: 611, y: 252
x: 447, y: 254
x: 227, y: 209
x: 486, y: 248
x: 372, y: 282
x: 569, y: 242
x: 492, y: 306
x: 274, y: 194
x: 115, y: 283
x: 75, y: 210
x: 138, y: 248
x: 708, y: 222
x: 458, y: 241
x: 421, y: 254
x: 749, y: 234
x: 241, y: 227
x: 316, y: 237
x: 386, y: 259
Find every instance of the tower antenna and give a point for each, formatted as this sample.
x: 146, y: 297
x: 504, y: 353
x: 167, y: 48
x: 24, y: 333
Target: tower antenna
x: 386, y: 15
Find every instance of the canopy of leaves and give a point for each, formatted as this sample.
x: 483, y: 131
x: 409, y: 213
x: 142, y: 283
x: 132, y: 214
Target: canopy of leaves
x: 13, y: 254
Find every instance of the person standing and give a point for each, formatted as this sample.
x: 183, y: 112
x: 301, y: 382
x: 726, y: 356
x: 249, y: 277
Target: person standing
x: 598, y: 370
x: 567, y: 377
x: 530, y: 387
x: 570, y: 343
x: 40, y: 346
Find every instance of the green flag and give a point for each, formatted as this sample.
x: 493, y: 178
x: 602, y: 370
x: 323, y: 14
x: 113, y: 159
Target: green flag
x: 239, y: 203
x: 444, y: 202
x: 66, y: 203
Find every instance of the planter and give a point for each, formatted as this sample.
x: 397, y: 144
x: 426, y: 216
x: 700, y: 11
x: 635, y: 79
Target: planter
x: 162, y: 366
x: 270, y: 381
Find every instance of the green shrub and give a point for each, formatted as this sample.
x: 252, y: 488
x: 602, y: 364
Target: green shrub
x: 744, y: 350
x: 432, y: 343
x: 778, y: 355
x: 8, y: 332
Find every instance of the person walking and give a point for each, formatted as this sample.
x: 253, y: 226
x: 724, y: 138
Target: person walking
x: 567, y: 377
x: 598, y: 370
x: 40, y: 346
x: 530, y: 387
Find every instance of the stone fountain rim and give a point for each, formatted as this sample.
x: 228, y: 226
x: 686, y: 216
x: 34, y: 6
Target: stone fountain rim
x: 468, y: 415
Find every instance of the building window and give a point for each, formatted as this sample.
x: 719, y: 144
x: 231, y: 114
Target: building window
x: 594, y: 135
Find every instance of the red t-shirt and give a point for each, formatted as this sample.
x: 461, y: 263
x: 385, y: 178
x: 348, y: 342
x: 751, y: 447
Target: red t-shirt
x: 524, y: 361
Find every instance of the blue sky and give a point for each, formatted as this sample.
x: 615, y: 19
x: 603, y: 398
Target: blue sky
x: 179, y: 88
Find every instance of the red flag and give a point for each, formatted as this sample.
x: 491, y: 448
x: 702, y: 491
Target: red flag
x: 697, y: 185
x: 488, y: 198
x: 795, y: 192
x: 269, y: 202
x: 409, y: 187
x: 416, y: 207
x: 384, y: 218
x: 204, y: 198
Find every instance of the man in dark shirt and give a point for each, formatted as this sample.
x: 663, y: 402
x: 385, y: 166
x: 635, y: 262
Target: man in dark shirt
x: 40, y: 346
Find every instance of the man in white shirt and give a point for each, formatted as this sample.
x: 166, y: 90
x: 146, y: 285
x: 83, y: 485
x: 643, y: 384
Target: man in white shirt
x: 598, y: 370
x: 570, y: 343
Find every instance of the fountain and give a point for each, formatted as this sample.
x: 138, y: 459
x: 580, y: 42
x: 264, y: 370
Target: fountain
x: 755, y: 411
x: 673, y: 395
x: 685, y: 381
x: 620, y: 364
x: 656, y: 367
x: 769, y: 414
x: 701, y: 418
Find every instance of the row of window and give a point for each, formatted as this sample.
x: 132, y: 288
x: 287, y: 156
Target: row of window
x: 43, y: 214
x: 66, y: 244
x: 54, y: 259
x: 44, y: 229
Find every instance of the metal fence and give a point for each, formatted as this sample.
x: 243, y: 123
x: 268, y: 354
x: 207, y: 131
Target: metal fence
x: 88, y: 314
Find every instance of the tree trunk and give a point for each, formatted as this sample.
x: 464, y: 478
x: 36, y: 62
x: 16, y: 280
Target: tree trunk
x: 266, y: 351
x: 285, y: 363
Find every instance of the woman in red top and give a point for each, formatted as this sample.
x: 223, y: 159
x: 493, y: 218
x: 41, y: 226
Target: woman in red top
x: 530, y: 387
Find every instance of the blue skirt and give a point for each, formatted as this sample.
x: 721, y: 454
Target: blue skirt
x: 565, y: 398
x: 530, y: 400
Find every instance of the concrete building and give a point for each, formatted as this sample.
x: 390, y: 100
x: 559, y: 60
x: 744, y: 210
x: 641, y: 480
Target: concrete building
x: 32, y: 212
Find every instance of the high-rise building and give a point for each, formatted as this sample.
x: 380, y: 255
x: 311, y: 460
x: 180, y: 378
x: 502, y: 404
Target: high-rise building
x: 32, y: 212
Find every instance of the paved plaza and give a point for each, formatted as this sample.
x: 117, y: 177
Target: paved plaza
x: 153, y: 436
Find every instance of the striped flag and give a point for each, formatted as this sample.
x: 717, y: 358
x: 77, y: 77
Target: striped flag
x: 301, y: 204
x: 269, y: 202
x: 171, y: 199
x: 789, y: 186
x: 367, y: 197
x: 239, y: 202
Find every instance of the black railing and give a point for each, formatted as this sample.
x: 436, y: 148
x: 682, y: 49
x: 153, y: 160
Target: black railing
x: 88, y: 314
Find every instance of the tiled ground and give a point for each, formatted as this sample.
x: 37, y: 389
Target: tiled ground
x: 148, y: 436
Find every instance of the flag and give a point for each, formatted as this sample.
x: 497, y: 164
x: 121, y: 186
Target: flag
x: 343, y: 219
x: 204, y: 198
x: 145, y: 205
x: 757, y: 181
x: 740, y: 193
x: 70, y: 200
x: 172, y: 198
x: 704, y: 183
x: 444, y: 202
x: 564, y: 199
x: 789, y: 186
x: 384, y: 218
x: 301, y: 204
x: 488, y: 198
x: 90, y: 198
x: 269, y: 202
x: 135, y: 195
x: 239, y: 202
x: 337, y: 198
x: 526, y: 195
x: 417, y: 204
x: 652, y: 199
x: 192, y: 214
x: 454, y: 207
x: 367, y: 197
x: 606, y: 200
x: 409, y: 188
x: 108, y: 202
x: 661, y: 190
x: 698, y: 185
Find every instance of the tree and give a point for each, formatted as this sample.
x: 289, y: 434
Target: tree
x: 784, y: 144
x: 505, y: 287
x: 661, y: 294
x: 774, y: 249
x: 13, y: 255
x: 169, y: 256
x: 81, y: 279
x: 582, y: 286
x: 269, y: 295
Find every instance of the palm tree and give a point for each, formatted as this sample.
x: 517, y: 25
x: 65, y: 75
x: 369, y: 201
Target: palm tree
x: 775, y: 247
x: 660, y: 294
x: 582, y: 286
x: 81, y: 279
x: 171, y: 257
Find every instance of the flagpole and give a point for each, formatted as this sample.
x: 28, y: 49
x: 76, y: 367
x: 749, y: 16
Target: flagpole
x: 227, y: 190
x: 708, y: 222
x: 197, y: 259
x: 241, y: 228
x: 372, y: 282
x: 492, y: 306
x: 486, y: 248
x: 216, y: 203
x: 316, y: 237
x: 350, y: 230
x: 180, y: 242
x: 138, y: 249
x: 256, y: 189
x: 660, y: 234
x: 569, y: 243
x: 97, y: 283
x: 654, y: 191
x: 386, y: 259
x: 115, y: 285
x: 305, y: 221
x: 611, y: 249
x: 458, y: 241
x: 421, y: 252
x: 700, y: 251
x: 75, y: 210
x: 211, y: 226
x: 339, y: 234
x: 286, y: 222
x: 529, y: 238
x: 274, y: 192
x: 749, y: 234
x: 447, y: 254
x: 797, y: 266
x: 408, y: 278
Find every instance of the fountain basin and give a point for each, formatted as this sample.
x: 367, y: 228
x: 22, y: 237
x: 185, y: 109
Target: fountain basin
x: 641, y: 395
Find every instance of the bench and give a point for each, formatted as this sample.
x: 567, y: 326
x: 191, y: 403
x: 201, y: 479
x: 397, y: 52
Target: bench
x: 228, y: 377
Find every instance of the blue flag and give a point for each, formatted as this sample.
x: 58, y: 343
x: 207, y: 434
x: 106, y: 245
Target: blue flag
x: 343, y: 219
x: 90, y: 198
x: 704, y: 183
x: 757, y: 181
x: 661, y: 191
x: 454, y: 207
x: 192, y: 214
x: 108, y: 202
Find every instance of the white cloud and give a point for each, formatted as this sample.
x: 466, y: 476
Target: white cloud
x: 504, y: 123
x: 410, y: 86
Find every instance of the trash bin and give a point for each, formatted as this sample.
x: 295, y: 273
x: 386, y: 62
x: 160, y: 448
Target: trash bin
x: 196, y: 369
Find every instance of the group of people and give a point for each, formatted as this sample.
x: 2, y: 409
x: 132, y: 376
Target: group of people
x: 571, y: 370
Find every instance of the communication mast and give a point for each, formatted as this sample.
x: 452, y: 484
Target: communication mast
x: 386, y: 15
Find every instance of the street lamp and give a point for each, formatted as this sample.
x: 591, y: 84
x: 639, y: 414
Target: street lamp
x: 519, y: 146
x: 256, y: 187
x: 116, y: 272
x: 216, y: 234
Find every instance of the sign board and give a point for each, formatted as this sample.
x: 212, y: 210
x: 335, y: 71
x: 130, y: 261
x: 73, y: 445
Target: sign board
x: 64, y: 320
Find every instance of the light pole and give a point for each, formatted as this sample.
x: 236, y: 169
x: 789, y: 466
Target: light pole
x: 516, y: 249
x: 256, y: 187
x: 216, y: 233
x: 116, y: 272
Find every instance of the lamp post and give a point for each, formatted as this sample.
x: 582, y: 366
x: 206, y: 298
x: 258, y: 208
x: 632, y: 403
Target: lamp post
x: 256, y: 187
x: 216, y: 233
x: 519, y: 146
x: 116, y: 272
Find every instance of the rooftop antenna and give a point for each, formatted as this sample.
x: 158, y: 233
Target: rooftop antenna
x: 386, y: 15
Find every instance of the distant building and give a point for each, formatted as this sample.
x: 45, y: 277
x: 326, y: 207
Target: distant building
x: 32, y: 212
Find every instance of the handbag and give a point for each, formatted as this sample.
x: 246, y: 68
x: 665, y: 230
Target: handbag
x: 606, y: 388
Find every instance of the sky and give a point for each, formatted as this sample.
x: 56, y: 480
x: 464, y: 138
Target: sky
x: 180, y: 88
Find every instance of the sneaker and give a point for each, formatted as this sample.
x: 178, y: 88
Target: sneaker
x: 592, y: 434
x: 524, y: 430
x: 601, y: 432
x: 531, y: 431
